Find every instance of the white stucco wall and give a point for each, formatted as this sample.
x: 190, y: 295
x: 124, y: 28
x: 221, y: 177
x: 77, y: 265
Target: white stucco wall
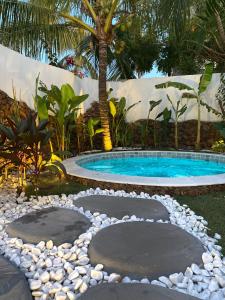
x: 21, y: 72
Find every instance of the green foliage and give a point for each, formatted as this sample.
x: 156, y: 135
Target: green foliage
x: 178, y: 110
x: 219, y: 146
x: 205, y: 78
x: 92, y: 130
x: 178, y: 85
x: 204, y: 82
x: 118, y: 111
x: 25, y: 148
x: 166, y: 114
x: 221, y: 128
x: 220, y: 96
x: 63, y: 105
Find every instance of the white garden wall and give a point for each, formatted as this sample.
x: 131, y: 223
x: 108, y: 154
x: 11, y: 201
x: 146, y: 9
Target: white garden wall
x: 21, y: 72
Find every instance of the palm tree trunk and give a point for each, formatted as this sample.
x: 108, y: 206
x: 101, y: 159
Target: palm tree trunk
x: 103, y: 107
x: 176, y: 134
x: 198, y: 138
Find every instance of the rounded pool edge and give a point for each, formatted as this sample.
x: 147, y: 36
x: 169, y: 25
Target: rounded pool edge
x: 140, y: 183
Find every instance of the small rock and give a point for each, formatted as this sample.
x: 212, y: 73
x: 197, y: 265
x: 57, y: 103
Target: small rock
x: 166, y: 281
x: 60, y: 296
x: 96, y: 275
x: 213, y: 286
x: 45, y: 277
x: 73, y: 275
x: 207, y: 258
x: 49, y: 245
x: 35, y: 284
x: 114, y: 277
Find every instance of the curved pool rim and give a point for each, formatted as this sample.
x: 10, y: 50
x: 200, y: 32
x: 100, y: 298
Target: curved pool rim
x: 74, y: 169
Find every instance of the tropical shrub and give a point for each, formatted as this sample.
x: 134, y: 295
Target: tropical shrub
x: 145, y: 130
x: 194, y: 94
x: 24, y: 147
x: 63, y: 106
x: 119, y: 126
x: 92, y: 130
x: 166, y: 115
x: 220, y: 95
x: 219, y: 146
x: 178, y: 111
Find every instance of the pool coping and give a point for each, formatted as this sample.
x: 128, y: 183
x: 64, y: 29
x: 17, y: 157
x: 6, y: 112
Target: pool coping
x: 74, y: 169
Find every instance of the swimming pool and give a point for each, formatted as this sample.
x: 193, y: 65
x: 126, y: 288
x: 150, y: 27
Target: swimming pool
x: 156, y: 166
x: 172, y: 172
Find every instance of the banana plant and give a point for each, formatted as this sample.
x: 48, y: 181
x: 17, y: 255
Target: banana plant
x: 118, y: 112
x: 166, y: 114
x: 178, y: 110
x: 63, y: 104
x: 193, y: 93
x: 153, y: 104
x: 92, y: 131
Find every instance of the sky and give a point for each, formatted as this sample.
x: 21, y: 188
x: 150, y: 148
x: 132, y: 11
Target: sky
x: 153, y: 73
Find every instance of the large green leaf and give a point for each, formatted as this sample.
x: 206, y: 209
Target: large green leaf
x: 122, y: 105
x: 67, y: 92
x: 205, y: 78
x: 189, y: 96
x: 166, y: 114
x: 90, y: 127
x: 112, y: 109
x: 42, y: 108
x: 153, y: 104
x: 77, y: 100
x: 99, y: 130
x: 177, y: 85
x: 8, y: 132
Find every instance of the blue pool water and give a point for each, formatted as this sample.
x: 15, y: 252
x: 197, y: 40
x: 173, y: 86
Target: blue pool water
x: 156, y: 166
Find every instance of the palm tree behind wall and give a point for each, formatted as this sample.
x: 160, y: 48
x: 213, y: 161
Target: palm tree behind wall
x: 63, y: 24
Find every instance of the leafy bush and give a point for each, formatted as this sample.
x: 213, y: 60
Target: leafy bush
x: 219, y: 146
x: 118, y: 110
x: 25, y: 147
x: 63, y: 106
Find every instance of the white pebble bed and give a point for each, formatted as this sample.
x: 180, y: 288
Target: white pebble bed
x: 64, y: 272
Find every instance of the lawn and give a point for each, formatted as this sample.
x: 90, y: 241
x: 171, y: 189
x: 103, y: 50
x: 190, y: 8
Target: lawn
x: 211, y: 206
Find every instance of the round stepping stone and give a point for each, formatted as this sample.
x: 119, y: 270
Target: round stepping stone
x: 135, y: 291
x: 57, y: 224
x: 143, y: 249
x: 119, y: 207
x: 13, y: 284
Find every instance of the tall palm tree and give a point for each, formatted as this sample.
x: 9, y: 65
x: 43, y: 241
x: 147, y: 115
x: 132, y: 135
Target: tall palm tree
x: 213, y: 21
x: 63, y: 23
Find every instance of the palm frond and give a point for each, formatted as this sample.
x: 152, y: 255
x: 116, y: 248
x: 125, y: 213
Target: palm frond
x: 25, y: 25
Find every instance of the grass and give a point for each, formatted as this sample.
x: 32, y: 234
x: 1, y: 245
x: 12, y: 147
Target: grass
x: 211, y: 206
x: 53, y: 186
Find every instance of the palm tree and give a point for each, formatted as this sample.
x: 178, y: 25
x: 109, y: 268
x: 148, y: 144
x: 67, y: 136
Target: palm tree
x: 63, y: 24
x: 213, y: 22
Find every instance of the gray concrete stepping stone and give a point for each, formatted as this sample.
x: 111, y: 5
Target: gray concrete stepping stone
x: 119, y: 207
x: 57, y: 224
x: 144, y: 249
x: 13, y: 284
x: 135, y: 291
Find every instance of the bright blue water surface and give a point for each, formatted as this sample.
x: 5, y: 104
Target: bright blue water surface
x: 156, y: 166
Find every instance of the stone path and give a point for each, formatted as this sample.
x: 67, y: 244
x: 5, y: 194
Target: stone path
x: 119, y: 207
x: 126, y: 291
x: 57, y: 224
x: 131, y: 248
x: 144, y: 249
x: 13, y: 284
